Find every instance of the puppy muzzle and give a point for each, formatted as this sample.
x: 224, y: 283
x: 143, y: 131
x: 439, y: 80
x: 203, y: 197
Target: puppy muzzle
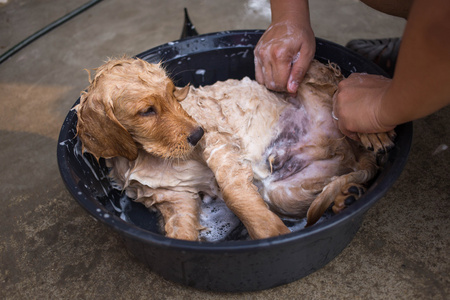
x: 195, y: 136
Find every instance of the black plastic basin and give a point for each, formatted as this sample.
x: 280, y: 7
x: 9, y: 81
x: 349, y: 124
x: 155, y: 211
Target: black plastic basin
x: 229, y: 265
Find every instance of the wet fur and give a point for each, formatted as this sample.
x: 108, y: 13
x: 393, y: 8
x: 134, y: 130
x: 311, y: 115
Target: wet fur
x: 266, y: 154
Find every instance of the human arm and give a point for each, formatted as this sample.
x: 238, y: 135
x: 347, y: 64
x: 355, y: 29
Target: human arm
x: 284, y: 52
x: 368, y: 103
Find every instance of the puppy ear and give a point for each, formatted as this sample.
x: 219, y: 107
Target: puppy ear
x: 181, y: 93
x: 100, y: 132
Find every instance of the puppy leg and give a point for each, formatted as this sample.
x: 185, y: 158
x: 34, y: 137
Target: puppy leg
x: 234, y: 177
x: 293, y: 199
x: 380, y: 143
x: 343, y: 189
x: 180, y: 212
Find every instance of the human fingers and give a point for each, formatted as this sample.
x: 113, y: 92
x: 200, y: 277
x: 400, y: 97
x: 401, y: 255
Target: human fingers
x: 357, y: 103
x: 352, y: 135
x: 273, y: 64
x: 275, y: 53
x: 259, y: 77
x: 338, y: 123
x: 280, y: 68
x: 300, y: 64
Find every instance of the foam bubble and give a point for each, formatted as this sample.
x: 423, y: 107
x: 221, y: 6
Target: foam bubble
x: 218, y: 219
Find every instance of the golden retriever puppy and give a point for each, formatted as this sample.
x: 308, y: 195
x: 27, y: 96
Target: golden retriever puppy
x: 265, y: 154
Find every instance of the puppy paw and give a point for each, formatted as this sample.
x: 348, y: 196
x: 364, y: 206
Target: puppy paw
x: 268, y: 226
x: 349, y: 194
x: 379, y: 143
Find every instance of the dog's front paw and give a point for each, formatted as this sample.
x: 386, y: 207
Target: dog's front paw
x: 268, y: 226
x: 379, y: 143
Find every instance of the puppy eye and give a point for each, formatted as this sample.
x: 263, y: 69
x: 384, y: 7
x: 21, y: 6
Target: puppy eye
x: 150, y: 111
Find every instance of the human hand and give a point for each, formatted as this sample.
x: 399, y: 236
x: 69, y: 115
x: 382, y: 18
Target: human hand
x: 358, y: 104
x: 283, y: 55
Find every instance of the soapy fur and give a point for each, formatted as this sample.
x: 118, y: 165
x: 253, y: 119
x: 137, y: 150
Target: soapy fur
x: 265, y: 154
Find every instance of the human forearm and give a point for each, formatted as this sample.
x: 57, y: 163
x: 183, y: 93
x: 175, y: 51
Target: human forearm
x: 421, y: 84
x: 297, y: 10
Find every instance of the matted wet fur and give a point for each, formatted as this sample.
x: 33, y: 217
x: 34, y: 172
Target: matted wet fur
x: 265, y: 154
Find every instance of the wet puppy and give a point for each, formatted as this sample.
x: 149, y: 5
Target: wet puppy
x: 265, y: 154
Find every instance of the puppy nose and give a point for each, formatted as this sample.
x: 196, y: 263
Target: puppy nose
x: 195, y: 136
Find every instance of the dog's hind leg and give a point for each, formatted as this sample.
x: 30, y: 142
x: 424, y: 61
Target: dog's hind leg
x: 344, y: 189
x: 234, y: 177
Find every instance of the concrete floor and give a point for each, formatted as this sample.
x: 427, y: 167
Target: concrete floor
x: 51, y: 248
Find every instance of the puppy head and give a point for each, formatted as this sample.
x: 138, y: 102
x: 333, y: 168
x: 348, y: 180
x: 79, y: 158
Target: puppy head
x: 131, y: 104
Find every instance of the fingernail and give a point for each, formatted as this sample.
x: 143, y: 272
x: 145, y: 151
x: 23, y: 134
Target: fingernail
x: 293, y: 86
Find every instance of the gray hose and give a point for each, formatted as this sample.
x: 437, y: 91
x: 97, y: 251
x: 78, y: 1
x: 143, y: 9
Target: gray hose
x: 46, y: 29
